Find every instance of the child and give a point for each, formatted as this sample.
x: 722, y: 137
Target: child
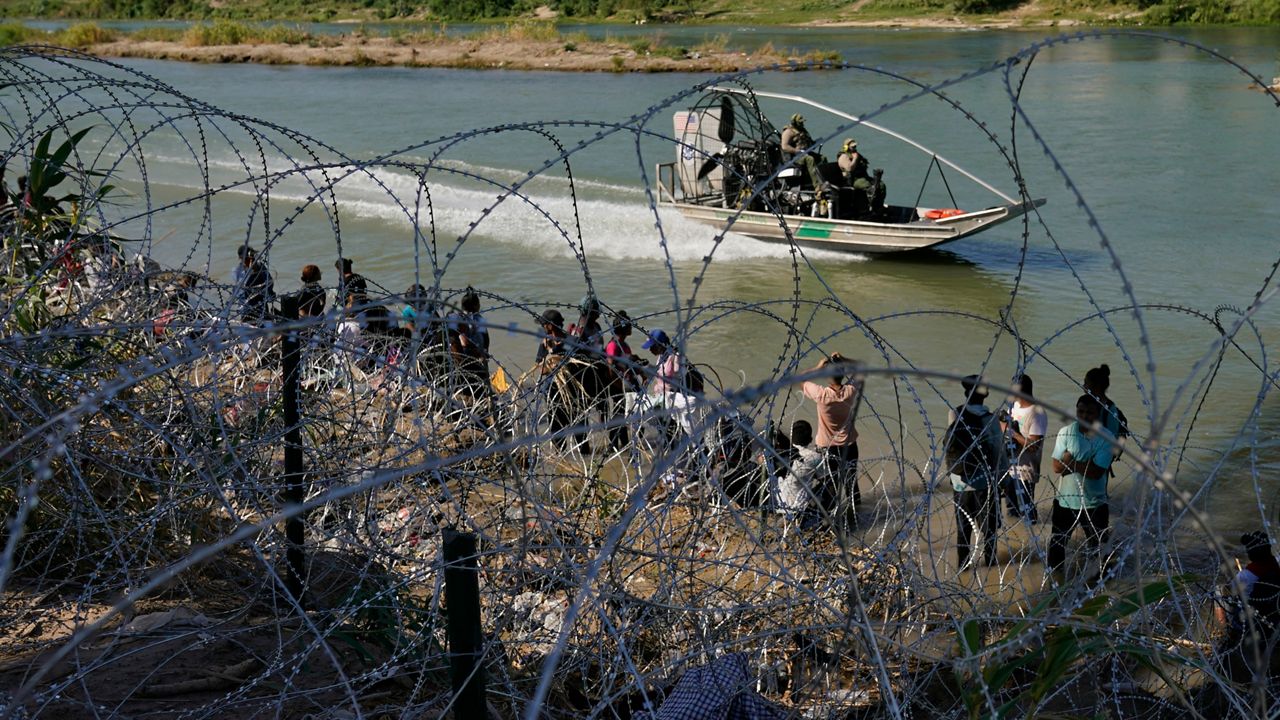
x: 807, y: 472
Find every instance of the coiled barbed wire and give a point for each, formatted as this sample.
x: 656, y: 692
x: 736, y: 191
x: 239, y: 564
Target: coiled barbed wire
x: 144, y: 552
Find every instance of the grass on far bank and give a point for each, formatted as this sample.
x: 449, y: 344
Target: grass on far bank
x: 759, y: 12
x: 230, y: 33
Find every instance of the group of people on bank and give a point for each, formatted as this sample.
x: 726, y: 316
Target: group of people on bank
x: 586, y: 371
x: 989, y: 456
x: 588, y: 367
x: 361, y: 325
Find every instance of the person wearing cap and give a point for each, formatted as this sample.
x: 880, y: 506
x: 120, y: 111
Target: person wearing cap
x: 670, y: 382
x: 837, y: 407
x: 797, y: 145
x: 853, y: 165
x: 668, y: 372
x: 976, y: 461
x: 1083, y: 458
x: 795, y: 137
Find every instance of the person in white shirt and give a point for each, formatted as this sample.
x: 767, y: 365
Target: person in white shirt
x: 1025, y: 427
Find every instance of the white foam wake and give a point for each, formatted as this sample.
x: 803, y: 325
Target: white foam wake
x: 615, y: 224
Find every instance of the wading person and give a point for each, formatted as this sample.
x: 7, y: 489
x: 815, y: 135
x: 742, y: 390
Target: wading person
x: 1083, y: 458
x: 1025, y: 427
x: 975, y: 457
x: 837, y: 403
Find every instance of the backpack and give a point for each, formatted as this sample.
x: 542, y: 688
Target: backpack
x: 1264, y: 598
x: 967, y: 454
x: 694, y: 381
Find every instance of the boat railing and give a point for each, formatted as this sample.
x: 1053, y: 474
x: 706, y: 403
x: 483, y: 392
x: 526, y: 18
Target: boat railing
x: 865, y: 123
x: 666, y: 176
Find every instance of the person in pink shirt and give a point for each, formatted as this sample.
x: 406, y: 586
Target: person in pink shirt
x: 668, y: 376
x: 622, y: 365
x: 837, y: 406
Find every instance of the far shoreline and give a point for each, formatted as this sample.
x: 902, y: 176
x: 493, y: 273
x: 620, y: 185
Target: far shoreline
x: 528, y: 46
x: 539, y: 45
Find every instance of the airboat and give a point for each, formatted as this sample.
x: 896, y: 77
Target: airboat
x: 730, y: 173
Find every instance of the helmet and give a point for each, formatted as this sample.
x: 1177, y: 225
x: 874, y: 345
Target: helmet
x: 589, y: 304
x: 797, y: 120
x: 849, y: 145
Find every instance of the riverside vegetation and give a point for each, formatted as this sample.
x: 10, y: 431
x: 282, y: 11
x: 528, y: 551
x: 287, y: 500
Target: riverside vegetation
x: 758, y: 12
x: 526, y: 45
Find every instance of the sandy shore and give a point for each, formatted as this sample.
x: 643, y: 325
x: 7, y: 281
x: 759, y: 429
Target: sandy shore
x: 451, y: 53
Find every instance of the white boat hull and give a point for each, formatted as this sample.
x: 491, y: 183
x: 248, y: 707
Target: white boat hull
x: 854, y: 236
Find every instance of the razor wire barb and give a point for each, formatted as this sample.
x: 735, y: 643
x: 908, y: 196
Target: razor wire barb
x: 141, y: 427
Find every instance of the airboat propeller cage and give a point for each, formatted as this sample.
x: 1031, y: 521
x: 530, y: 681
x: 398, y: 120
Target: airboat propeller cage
x: 699, y: 141
x: 705, y: 132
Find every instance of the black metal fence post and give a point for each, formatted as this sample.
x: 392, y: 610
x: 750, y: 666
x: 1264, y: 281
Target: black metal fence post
x: 462, y: 593
x: 295, y: 492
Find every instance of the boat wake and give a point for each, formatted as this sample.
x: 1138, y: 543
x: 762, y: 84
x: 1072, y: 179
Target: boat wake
x: 542, y: 217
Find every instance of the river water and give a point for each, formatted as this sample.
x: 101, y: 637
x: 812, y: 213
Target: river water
x: 1170, y: 150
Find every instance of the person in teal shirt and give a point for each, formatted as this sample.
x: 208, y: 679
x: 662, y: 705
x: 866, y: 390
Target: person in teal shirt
x: 1083, y: 458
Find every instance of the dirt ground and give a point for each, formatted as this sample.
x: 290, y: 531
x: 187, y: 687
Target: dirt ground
x: 449, y: 53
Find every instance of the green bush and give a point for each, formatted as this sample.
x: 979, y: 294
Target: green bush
x: 221, y: 32
x: 82, y: 35
x: 282, y: 35
x: 156, y: 34
x: 671, y: 51
x: 17, y: 34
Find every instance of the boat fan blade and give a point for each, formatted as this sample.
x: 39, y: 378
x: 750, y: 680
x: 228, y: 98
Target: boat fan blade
x: 725, y: 129
x: 709, y: 165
